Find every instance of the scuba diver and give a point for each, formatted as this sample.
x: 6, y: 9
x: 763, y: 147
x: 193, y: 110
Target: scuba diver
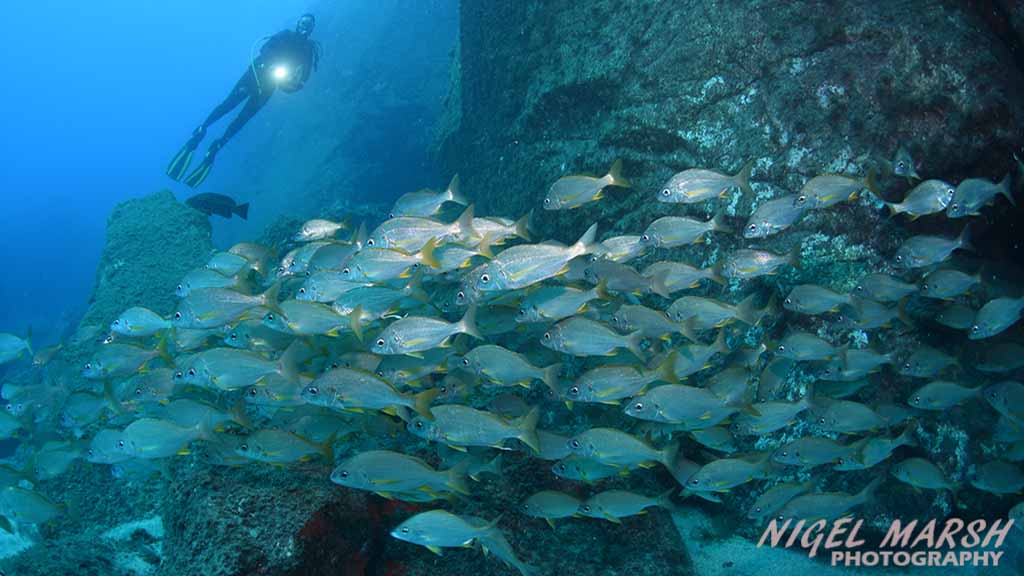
x: 286, y: 61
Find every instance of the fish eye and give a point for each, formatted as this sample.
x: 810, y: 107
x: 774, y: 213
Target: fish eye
x: 906, y: 366
x: 975, y: 329
x: 345, y: 271
x: 666, y: 192
x: 244, y: 447
x: 752, y: 227
x: 88, y: 365
x: 485, y: 278
x: 547, y: 201
x: 757, y: 509
x: 694, y: 481
x: 178, y: 375
x: 177, y: 315
x: 391, y: 214
x: 138, y: 391
x: 547, y: 335
x: 821, y: 420
x: 560, y: 467
x: 370, y: 242
x: 587, y: 508
x: 899, y: 258
x: 638, y: 406
x: 179, y: 288
x: 789, y: 300
x: 780, y: 518
x: 120, y: 443
x: 270, y: 316
x: 91, y: 453
x: 574, y: 391
x: 380, y: 342
x: 917, y: 399
x: 645, y: 238
x: 117, y: 322
x: 924, y: 286
x: 954, y: 206
x: 191, y: 371
x: 380, y: 373
x: 344, y: 474
x: 840, y: 461
x: 575, y: 443
x: 465, y: 361
x: 419, y: 424
x: 302, y: 290
x: 405, y: 530
x: 233, y: 336
x: 781, y: 348
x: 313, y: 390
x: 801, y: 199
x: 901, y: 164
x: 253, y: 392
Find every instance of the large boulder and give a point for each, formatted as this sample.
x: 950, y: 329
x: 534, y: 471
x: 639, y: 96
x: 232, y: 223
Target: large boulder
x: 558, y: 87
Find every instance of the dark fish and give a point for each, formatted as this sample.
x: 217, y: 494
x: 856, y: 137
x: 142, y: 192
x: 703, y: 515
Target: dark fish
x: 209, y: 203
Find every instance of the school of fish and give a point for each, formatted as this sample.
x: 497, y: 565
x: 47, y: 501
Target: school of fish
x: 472, y: 338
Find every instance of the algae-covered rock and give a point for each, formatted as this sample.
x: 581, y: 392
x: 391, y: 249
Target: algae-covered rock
x: 557, y: 87
x: 152, y: 242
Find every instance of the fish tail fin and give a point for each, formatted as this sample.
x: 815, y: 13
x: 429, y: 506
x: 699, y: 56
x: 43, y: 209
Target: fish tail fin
x: 527, y: 426
x: 901, y: 312
x: 414, y: 289
x: 658, y: 285
x: 468, y: 323
x: 484, y: 247
x: 667, y: 369
x: 716, y: 273
x: 288, y: 363
x: 633, y: 342
x: 665, y: 500
x: 894, y: 208
x: 793, y: 257
x: 550, y: 377
x: 871, y: 183
x: 523, y: 226
x: 494, y: 466
x: 746, y: 311
x: 587, y: 244
x: 355, y: 320
x: 616, y: 177
x: 242, y: 210
x: 718, y: 223
x: 668, y: 455
x: 742, y: 178
x: 268, y: 299
x: 465, y: 223
x: 601, y: 291
x: 454, y: 191
x: 28, y: 341
x: 238, y: 415
x: 111, y: 398
x: 967, y: 238
x: 361, y: 235
x: 423, y: 400
x: 908, y: 436
x: 720, y: 344
x: 689, y: 329
x: 1006, y: 190
x: 868, y: 493
x: 427, y: 254
x: 162, y: 351
x: 456, y: 477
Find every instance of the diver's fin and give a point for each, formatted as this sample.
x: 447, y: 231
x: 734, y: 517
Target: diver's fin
x: 179, y: 164
x: 198, y: 176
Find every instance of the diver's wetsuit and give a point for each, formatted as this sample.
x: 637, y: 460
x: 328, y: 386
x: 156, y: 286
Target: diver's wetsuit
x: 287, y: 48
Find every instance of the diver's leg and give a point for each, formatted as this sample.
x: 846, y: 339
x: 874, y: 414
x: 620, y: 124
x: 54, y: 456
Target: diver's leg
x: 244, y: 88
x: 252, y: 106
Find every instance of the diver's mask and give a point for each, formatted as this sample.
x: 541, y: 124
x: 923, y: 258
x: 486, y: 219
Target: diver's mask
x: 306, y: 25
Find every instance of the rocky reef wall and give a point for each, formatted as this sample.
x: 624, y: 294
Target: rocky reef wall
x: 553, y: 87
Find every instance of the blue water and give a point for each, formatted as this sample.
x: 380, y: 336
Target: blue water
x: 99, y: 95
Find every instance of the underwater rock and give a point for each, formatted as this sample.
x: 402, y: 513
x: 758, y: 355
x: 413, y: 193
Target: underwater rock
x: 552, y: 88
x: 260, y: 519
x: 152, y: 242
